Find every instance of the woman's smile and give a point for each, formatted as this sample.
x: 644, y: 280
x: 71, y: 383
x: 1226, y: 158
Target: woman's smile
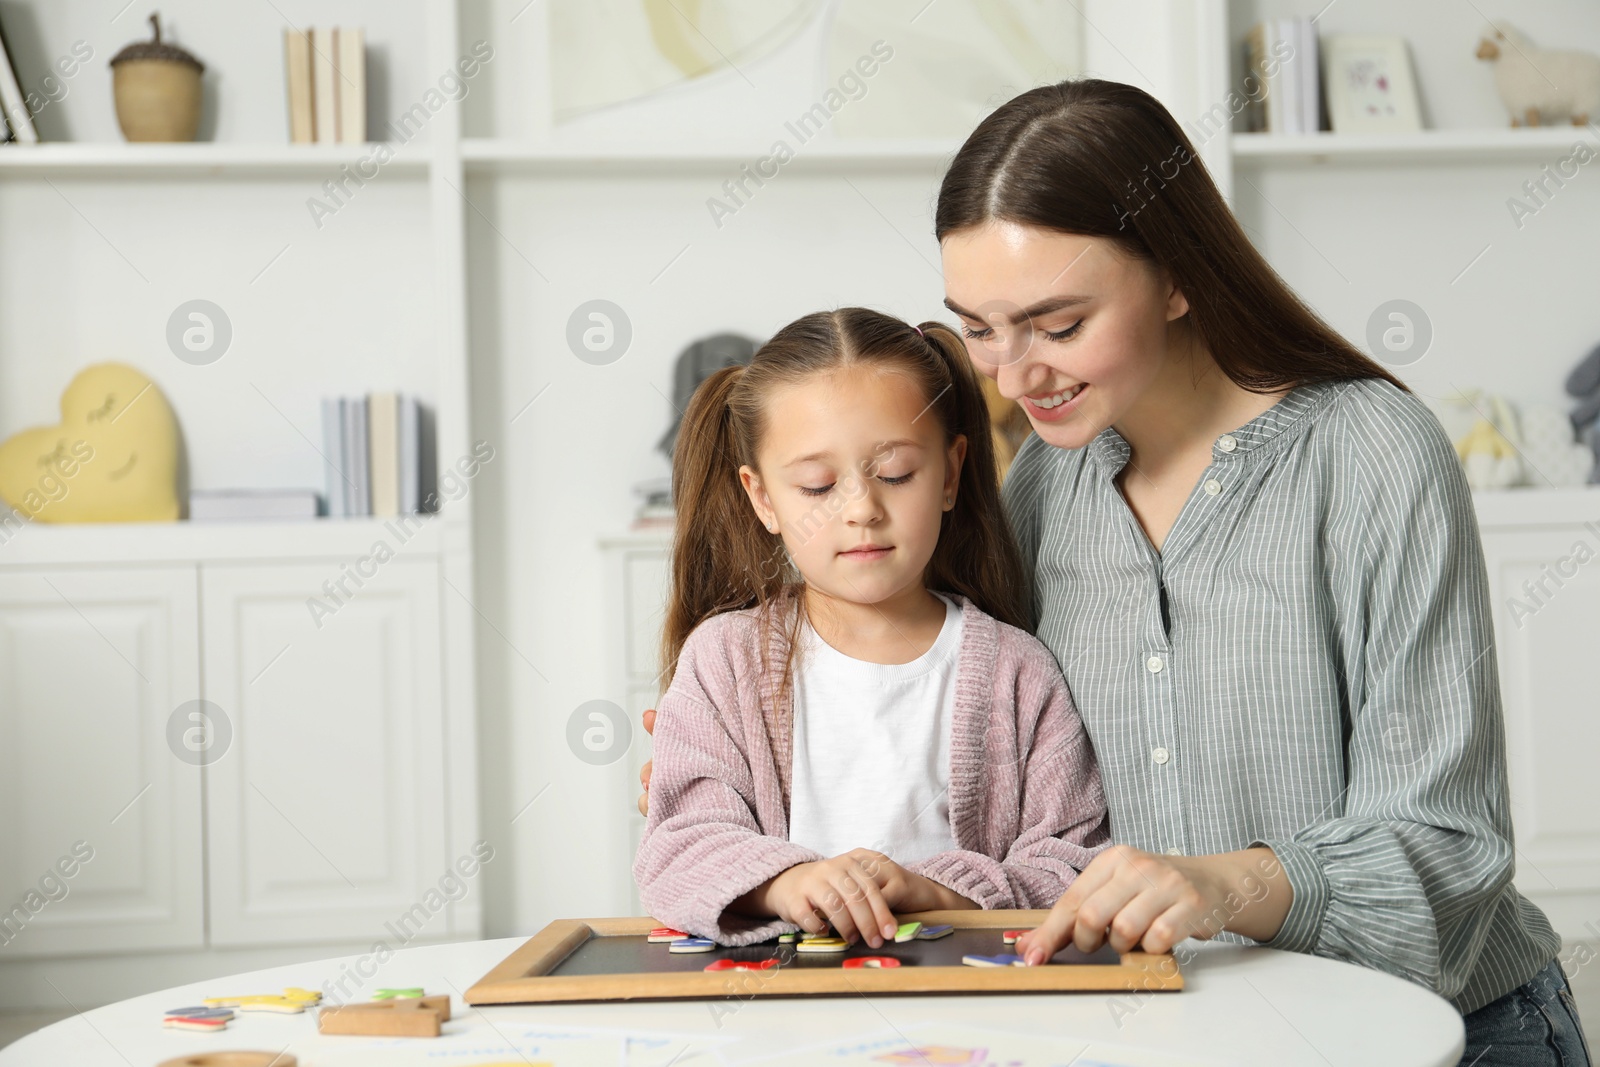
x: 1053, y: 407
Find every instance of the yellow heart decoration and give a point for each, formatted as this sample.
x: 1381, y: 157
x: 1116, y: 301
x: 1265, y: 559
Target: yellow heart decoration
x: 112, y: 458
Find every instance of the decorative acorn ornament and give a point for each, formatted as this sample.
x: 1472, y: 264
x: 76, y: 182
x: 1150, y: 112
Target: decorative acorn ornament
x: 157, y: 89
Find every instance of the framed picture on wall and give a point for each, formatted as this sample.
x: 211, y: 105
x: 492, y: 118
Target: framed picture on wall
x: 1370, y: 85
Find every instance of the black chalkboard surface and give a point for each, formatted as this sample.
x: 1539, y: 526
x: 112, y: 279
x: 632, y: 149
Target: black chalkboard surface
x: 632, y: 954
x: 610, y: 959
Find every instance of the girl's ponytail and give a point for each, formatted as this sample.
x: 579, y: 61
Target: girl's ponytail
x: 723, y: 559
x: 977, y: 554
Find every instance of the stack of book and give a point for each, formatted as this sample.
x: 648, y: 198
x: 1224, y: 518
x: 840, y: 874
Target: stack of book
x: 251, y: 505
x: 654, y: 510
x: 1281, y: 58
x: 373, y: 445
x: 326, y: 74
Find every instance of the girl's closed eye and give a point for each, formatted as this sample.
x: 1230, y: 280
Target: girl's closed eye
x: 899, y: 479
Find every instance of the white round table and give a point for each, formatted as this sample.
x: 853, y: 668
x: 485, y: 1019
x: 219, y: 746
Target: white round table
x: 1241, y: 1006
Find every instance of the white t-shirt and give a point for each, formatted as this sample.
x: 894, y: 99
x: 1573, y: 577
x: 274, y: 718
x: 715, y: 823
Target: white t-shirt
x: 872, y: 748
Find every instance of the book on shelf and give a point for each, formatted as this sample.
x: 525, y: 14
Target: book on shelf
x: 333, y: 454
x: 325, y: 75
x: 297, y: 74
x: 360, y: 457
x: 410, y: 438
x: 376, y: 455
x: 383, y: 450
x: 251, y: 505
x: 1281, y: 57
x: 18, y: 121
x: 350, y: 75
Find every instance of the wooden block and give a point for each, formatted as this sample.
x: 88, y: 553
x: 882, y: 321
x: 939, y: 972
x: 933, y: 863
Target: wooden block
x: 400, y: 1017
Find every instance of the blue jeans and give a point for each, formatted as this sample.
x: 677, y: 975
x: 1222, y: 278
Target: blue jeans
x: 1534, y: 1024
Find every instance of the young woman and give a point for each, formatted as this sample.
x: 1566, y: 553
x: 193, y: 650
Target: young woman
x: 1255, y: 557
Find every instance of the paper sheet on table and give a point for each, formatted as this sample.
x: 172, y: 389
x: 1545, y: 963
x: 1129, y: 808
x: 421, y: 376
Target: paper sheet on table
x: 515, y: 1044
x: 955, y: 1045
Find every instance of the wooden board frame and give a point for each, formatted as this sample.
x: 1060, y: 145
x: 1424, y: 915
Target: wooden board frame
x: 524, y: 977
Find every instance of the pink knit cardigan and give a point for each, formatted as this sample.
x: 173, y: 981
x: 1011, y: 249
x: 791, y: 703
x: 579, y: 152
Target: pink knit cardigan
x: 1026, y: 808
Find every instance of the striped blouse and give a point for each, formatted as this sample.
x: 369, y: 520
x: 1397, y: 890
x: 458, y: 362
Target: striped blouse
x: 1304, y: 665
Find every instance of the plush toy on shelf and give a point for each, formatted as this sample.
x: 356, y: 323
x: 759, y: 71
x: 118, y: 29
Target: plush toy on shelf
x: 1583, y: 385
x: 1539, y: 86
x: 1553, y: 456
x: 113, y: 457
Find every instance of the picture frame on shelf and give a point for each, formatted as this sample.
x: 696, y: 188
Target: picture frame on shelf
x: 1370, y: 86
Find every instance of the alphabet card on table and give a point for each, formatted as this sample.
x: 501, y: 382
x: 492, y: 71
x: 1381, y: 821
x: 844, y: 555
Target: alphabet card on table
x: 517, y: 1044
x: 954, y: 1045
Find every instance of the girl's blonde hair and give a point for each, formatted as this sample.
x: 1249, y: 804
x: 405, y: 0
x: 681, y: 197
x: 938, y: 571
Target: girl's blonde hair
x: 724, y: 559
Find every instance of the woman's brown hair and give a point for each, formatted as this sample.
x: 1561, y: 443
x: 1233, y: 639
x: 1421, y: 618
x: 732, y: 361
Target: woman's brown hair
x: 724, y: 559
x: 1102, y: 159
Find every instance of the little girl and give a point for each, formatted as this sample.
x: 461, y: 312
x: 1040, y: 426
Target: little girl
x: 855, y: 723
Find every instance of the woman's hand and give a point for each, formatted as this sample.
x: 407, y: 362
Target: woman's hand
x: 857, y: 893
x: 644, y: 772
x: 1127, y: 898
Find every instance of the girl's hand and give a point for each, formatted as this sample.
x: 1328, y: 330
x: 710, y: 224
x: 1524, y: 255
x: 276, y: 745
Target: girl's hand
x: 840, y: 891
x: 1127, y: 898
x: 857, y: 893
x: 906, y: 891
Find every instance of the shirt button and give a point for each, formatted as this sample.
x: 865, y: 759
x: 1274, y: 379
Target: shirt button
x: 1227, y: 442
x: 1154, y: 664
x: 1174, y: 851
x: 1213, y: 487
x: 1160, y: 755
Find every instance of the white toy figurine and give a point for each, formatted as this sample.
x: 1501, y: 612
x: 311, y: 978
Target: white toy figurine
x: 1483, y: 428
x: 1542, y: 85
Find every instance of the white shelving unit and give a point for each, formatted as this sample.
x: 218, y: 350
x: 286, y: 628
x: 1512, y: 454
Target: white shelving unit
x: 196, y: 160
x: 852, y: 157
x: 350, y: 785
x: 1427, y: 146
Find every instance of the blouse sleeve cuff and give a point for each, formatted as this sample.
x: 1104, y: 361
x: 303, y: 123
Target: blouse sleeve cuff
x: 1310, y: 887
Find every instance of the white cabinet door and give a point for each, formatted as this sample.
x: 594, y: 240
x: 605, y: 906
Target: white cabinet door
x: 1547, y: 620
x: 100, y: 847
x: 327, y: 817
